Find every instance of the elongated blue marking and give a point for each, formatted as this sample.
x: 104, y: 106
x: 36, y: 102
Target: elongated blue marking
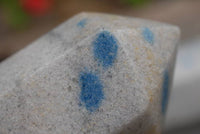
x: 148, y: 35
x: 91, y: 90
x: 165, y: 91
x: 82, y: 23
x: 105, y: 48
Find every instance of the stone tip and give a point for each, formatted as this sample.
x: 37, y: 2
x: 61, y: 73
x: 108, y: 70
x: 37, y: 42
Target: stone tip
x: 96, y: 73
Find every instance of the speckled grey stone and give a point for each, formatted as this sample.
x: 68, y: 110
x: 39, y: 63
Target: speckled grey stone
x: 42, y: 91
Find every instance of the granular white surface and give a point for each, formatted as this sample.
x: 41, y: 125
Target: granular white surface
x: 40, y: 88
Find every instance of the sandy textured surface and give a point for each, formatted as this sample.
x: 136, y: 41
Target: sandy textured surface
x: 95, y: 73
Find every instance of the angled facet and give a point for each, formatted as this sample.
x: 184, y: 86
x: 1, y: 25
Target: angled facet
x: 95, y: 73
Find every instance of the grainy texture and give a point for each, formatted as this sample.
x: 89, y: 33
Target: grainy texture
x: 96, y: 74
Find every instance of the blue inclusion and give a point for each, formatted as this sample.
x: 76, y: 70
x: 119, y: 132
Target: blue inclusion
x: 148, y: 35
x: 105, y: 48
x: 82, y: 23
x: 165, y: 91
x: 91, y: 90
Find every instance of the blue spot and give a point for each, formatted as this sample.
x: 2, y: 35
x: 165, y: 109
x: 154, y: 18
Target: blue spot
x: 165, y: 91
x: 82, y: 23
x: 105, y: 48
x: 91, y: 90
x: 148, y: 35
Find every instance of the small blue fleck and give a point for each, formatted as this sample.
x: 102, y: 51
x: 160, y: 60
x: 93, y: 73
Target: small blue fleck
x: 105, y: 48
x: 165, y: 91
x: 148, y: 35
x: 82, y: 23
x: 91, y: 90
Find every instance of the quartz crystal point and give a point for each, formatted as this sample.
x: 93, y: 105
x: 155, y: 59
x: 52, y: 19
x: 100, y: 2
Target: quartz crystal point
x: 94, y: 74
